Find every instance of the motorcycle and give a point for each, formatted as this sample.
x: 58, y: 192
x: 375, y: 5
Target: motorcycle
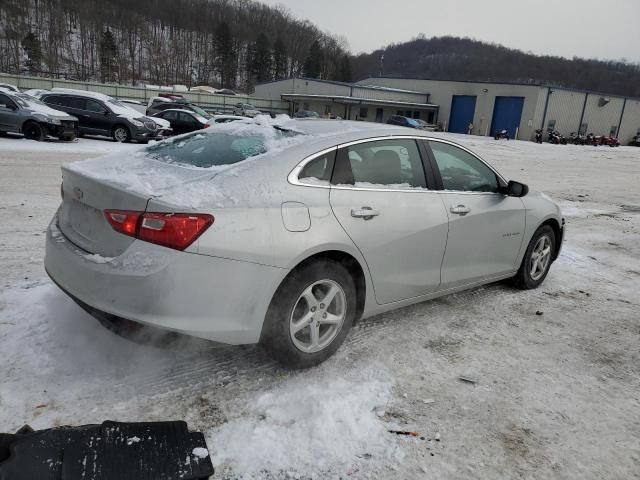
x: 576, y: 139
x: 609, y: 141
x: 539, y: 135
x: 502, y: 134
x: 556, y: 138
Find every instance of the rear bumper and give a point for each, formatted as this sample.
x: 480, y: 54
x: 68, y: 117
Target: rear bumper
x: 207, y: 297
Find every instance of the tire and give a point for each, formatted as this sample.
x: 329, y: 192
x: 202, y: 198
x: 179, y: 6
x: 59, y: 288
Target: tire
x: 296, y: 349
x: 527, y: 278
x: 121, y: 134
x: 33, y: 131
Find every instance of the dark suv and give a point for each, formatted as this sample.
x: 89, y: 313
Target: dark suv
x: 103, y: 115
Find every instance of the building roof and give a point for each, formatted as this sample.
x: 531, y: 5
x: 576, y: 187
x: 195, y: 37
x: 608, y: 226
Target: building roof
x: 345, y: 84
x: 356, y: 100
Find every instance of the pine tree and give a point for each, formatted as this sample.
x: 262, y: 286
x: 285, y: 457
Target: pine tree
x: 108, y: 57
x: 262, y: 61
x: 31, y: 46
x: 313, y: 64
x: 226, y: 55
x: 280, y: 59
x: 345, y: 69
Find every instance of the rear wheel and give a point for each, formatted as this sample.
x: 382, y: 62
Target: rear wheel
x: 537, y: 259
x: 33, y: 131
x: 310, y: 314
x: 121, y: 134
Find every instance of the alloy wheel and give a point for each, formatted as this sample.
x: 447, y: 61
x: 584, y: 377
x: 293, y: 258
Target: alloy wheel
x: 540, y: 258
x: 120, y: 134
x: 318, y: 316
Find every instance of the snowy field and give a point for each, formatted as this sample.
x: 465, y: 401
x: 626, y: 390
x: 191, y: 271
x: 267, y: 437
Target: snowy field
x: 556, y: 371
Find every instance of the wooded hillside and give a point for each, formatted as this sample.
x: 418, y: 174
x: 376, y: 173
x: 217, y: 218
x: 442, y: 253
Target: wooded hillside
x: 224, y: 43
x: 451, y: 58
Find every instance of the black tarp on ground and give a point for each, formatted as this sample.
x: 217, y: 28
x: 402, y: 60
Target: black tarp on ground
x: 111, y: 451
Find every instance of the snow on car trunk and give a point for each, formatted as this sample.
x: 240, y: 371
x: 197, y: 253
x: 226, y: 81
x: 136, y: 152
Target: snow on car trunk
x: 127, y: 182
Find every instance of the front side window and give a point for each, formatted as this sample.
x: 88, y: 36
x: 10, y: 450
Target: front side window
x: 170, y: 115
x: 5, y: 101
x: 318, y: 171
x: 392, y: 163
x: 93, y: 106
x: 461, y: 171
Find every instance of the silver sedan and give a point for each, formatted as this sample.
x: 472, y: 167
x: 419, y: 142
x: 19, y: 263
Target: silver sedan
x: 287, y: 232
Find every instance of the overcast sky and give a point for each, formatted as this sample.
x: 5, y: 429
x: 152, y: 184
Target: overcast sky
x: 583, y: 28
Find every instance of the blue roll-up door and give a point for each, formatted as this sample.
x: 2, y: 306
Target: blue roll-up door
x: 507, y: 113
x: 463, y: 108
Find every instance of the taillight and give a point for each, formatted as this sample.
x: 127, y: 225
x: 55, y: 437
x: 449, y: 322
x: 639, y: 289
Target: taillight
x: 172, y: 230
x: 206, y: 125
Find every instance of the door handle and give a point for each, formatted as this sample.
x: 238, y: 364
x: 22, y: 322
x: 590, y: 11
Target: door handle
x: 367, y: 213
x: 460, y: 209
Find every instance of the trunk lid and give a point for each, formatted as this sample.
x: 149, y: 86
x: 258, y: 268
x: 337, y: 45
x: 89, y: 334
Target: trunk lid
x: 91, y: 187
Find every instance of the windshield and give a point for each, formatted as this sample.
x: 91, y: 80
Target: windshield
x: 216, y: 149
x: 121, y: 109
x: 200, y: 111
x: 28, y: 99
x: 20, y: 101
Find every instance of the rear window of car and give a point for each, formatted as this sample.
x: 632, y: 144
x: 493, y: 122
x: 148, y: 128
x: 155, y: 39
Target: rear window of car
x: 213, y: 149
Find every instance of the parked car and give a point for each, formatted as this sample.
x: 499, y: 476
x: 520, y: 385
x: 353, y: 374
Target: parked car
x: 404, y: 122
x: 227, y: 118
x: 183, y: 121
x: 246, y: 110
x: 306, y: 114
x: 159, y: 104
x: 287, y: 233
x: 36, y: 92
x: 100, y: 114
x: 10, y: 87
x: 636, y: 141
x: 21, y: 113
x: 211, y: 90
x: 427, y: 127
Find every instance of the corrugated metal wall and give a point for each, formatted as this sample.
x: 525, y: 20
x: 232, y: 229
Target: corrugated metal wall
x: 564, y: 108
x: 379, y: 94
x: 630, y: 125
x: 222, y: 103
x: 602, y: 115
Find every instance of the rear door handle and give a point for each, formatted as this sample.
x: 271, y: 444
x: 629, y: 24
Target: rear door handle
x: 460, y: 209
x: 366, y: 213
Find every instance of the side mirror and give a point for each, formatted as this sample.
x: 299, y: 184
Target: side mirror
x: 515, y: 189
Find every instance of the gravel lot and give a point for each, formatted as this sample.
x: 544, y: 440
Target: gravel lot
x: 556, y: 371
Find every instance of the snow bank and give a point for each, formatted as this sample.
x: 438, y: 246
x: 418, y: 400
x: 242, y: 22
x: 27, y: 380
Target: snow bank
x: 305, y: 426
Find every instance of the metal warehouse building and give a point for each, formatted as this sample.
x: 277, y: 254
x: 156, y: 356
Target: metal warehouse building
x: 519, y: 108
x: 349, y: 101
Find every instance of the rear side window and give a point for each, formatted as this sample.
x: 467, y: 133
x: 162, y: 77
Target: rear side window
x: 461, y: 171
x: 318, y: 171
x: 218, y: 148
x: 393, y: 164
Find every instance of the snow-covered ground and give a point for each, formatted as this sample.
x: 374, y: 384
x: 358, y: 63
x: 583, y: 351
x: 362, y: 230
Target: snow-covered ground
x: 556, y: 394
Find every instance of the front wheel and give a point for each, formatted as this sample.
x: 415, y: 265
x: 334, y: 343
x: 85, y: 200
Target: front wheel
x: 33, y: 131
x: 310, y: 314
x: 537, y: 259
x: 121, y: 134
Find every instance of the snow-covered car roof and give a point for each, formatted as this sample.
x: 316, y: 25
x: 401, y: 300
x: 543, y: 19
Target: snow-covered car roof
x: 84, y: 93
x: 10, y: 87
